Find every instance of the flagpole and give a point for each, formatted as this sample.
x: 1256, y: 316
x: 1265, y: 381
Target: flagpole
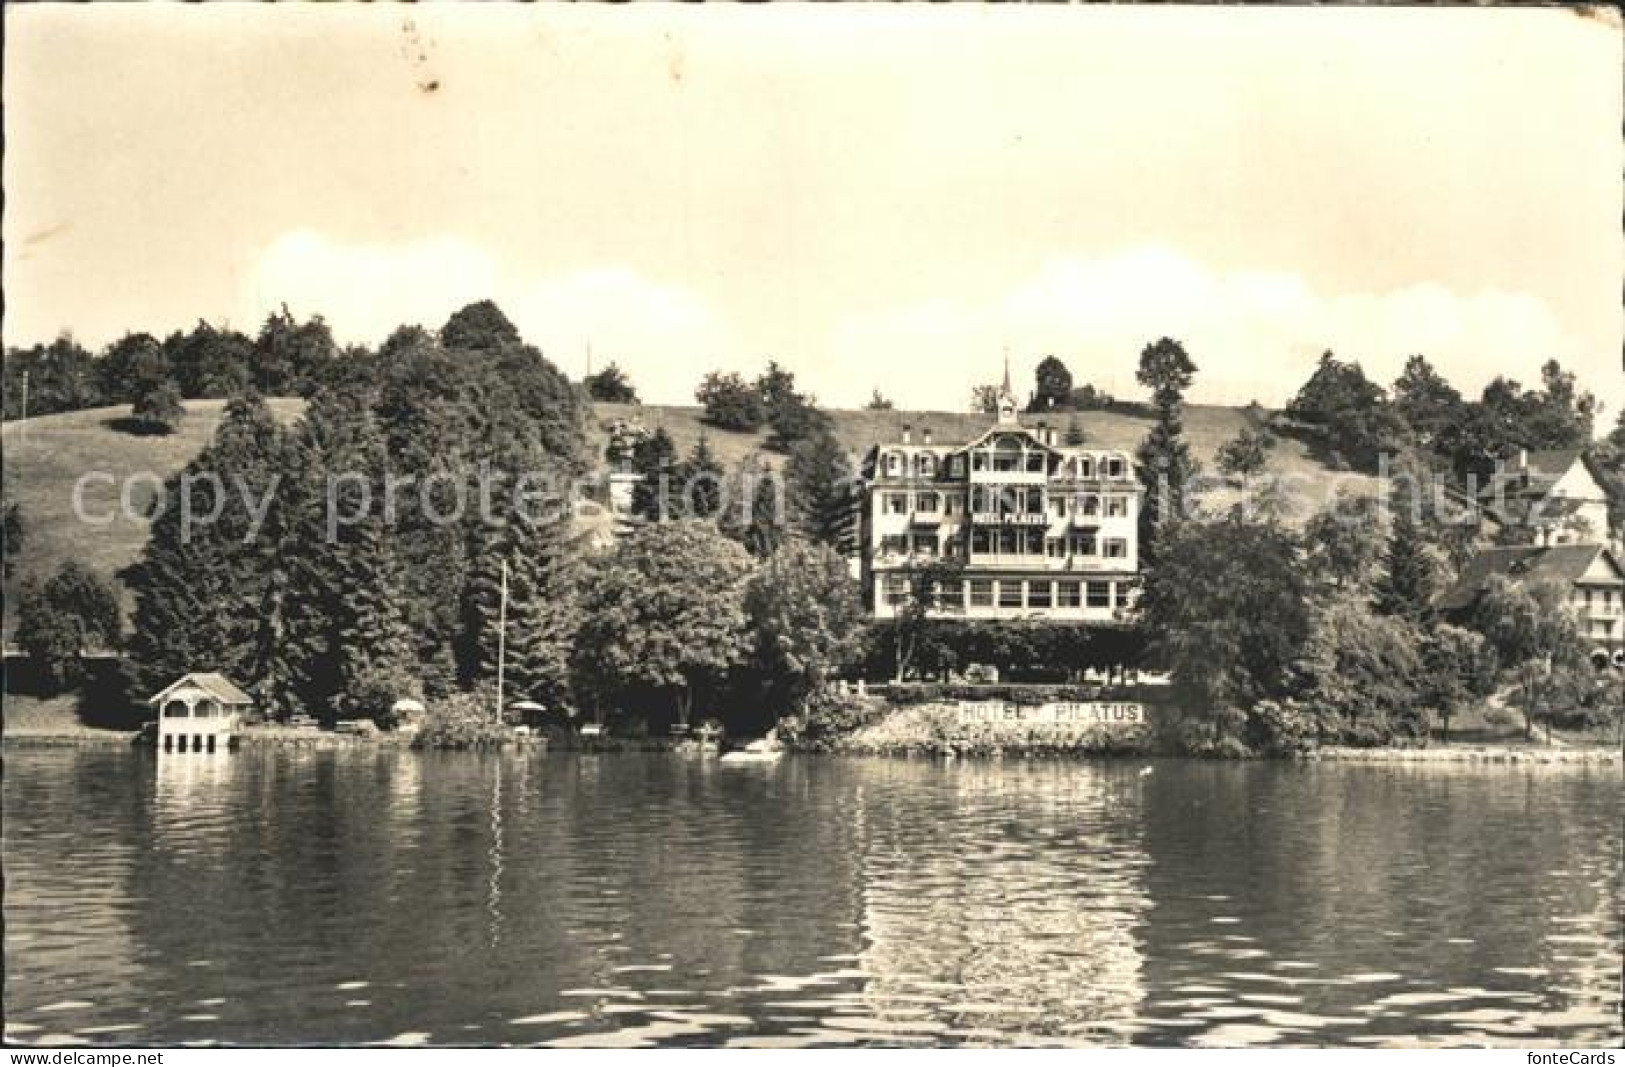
x: 502, y: 639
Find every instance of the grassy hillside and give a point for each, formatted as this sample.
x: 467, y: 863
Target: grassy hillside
x: 1206, y: 427
x: 44, y: 457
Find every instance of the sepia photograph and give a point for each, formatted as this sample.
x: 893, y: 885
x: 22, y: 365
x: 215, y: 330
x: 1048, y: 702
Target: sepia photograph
x: 812, y: 527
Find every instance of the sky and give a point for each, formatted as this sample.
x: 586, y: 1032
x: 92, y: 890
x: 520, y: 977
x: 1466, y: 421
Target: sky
x: 877, y: 197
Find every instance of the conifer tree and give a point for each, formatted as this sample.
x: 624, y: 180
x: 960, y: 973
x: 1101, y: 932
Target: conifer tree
x: 700, y: 482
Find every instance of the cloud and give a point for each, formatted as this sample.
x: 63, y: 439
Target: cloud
x: 664, y: 335
x: 1254, y: 334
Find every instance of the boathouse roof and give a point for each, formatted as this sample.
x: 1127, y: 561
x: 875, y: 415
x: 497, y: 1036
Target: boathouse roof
x: 216, y: 685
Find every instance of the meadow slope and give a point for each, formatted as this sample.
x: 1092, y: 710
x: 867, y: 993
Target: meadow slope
x: 45, y: 456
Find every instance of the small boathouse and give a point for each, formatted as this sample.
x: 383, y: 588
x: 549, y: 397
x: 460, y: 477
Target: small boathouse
x: 200, y: 712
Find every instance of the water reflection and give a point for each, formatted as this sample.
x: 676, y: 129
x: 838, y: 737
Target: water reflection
x: 373, y: 896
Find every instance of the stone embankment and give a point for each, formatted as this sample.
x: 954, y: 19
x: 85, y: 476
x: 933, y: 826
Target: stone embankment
x: 1523, y: 754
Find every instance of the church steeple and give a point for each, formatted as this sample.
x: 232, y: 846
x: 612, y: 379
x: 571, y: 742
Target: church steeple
x: 1007, y: 396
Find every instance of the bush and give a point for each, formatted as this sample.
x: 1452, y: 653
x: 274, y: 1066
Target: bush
x: 731, y: 403
x: 461, y: 721
x: 1280, y: 729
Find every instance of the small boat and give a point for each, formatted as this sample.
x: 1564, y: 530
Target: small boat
x: 763, y: 751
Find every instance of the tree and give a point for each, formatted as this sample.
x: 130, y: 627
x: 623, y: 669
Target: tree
x: 730, y: 403
x: 1458, y: 666
x: 611, y: 386
x: 654, y: 460
x: 546, y: 571
x: 805, y: 619
x: 798, y: 421
x: 292, y: 358
x: 1350, y: 412
x: 1227, y: 611
x: 133, y: 364
x: 74, y: 611
x: 1360, y: 673
x: 1075, y: 434
x: 777, y: 389
x: 1411, y: 571
x: 158, y: 408
x: 1164, y: 461
x: 820, y: 493
x: 911, y: 627
x: 754, y: 508
x: 1428, y: 403
x: 1533, y: 632
x: 699, y: 481
x: 665, y: 614
x: 62, y: 376
x: 12, y: 535
x: 209, y: 362
x: 1344, y: 544
x: 877, y: 402
x: 984, y: 399
x: 479, y: 327
x: 1247, y: 453
x: 1053, y: 386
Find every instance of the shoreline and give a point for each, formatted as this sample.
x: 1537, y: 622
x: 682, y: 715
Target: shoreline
x: 1519, y: 753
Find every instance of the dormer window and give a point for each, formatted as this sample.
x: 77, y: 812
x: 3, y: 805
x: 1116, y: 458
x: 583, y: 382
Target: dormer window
x: 1086, y: 467
x: 925, y: 465
x: 1114, y: 467
x: 894, y: 464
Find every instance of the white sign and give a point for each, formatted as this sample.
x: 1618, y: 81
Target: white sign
x: 1102, y: 713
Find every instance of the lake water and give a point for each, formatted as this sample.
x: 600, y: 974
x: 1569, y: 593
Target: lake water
x: 282, y: 896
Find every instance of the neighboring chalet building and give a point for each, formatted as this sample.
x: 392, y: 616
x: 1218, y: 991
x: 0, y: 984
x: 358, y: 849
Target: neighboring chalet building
x: 1592, y: 574
x: 1034, y: 528
x: 1555, y: 494
x: 199, y: 712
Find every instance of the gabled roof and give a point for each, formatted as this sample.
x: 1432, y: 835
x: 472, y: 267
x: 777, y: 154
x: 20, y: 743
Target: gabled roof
x: 1525, y: 564
x: 1538, y: 472
x: 216, y: 685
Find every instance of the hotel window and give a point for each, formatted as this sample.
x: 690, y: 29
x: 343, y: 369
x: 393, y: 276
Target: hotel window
x: 1055, y: 548
x: 894, y: 463
x: 981, y: 593
x: 981, y: 540
x: 953, y: 547
x: 1058, y: 505
x: 1088, y: 505
x: 893, y: 545
x: 978, y: 461
x: 1033, y: 502
x: 1039, y: 594
x: 1067, y: 594
x: 1032, y: 541
x: 1116, y: 548
x: 950, y: 595
x: 1035, y: 463
x: 927, y: 544
x: 1114, y: 468
x: 1083, y: 544
x: 1009, y: 541
x: 896, y: 589
x: 950, y: 505
x: 1086, y: 468
x: 927, y: 502
x: 956, y: 466
x: 1116, y: 507
x: 926, y: 465
x: 1010, y: 593
x: 897, y: 503
x: 1100, y: 594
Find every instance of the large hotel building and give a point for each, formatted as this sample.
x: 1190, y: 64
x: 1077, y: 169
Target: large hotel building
x: 1035, y: 528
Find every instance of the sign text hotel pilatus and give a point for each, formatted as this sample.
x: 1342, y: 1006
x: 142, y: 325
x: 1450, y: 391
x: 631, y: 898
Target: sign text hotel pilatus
x: 1052, y: 714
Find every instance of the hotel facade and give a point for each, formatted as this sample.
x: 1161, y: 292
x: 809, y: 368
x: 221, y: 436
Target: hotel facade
x: 1012, y: 524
